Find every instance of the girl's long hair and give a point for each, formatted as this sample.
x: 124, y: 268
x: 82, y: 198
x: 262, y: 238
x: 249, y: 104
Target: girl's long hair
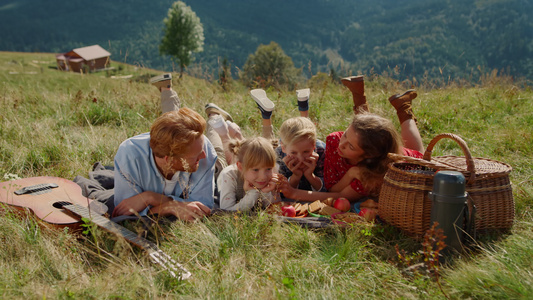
x: 377, y: 138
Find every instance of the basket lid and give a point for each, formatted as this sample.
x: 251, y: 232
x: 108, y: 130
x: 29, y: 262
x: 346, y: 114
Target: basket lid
x: 471, y: 167
x: 484, y: 167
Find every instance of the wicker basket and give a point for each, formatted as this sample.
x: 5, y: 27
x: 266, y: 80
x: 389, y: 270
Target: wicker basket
x: 404, y: 201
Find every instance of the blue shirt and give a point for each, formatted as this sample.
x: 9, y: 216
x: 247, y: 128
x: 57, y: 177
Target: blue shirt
x: 136, y: 172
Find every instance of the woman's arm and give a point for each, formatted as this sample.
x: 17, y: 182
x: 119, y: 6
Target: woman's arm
x: 353, y: 173
x: 310, y: 196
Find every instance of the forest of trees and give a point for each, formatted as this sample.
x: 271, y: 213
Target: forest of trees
x: 416, y: 38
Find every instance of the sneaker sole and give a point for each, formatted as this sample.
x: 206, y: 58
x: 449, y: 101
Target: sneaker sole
x: 303, y: 94
x: 159, y: 78
x: 214, y: 108
x: 261, y: 99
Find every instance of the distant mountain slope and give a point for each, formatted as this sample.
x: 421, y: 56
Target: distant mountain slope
x: 415, y: 38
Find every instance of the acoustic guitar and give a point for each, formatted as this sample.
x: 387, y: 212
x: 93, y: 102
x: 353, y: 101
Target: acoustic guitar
x: 60, y: 202
x: 38, y: 194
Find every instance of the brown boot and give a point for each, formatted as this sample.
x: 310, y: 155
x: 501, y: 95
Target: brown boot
x: 356, y: 85
x: 402, y: 103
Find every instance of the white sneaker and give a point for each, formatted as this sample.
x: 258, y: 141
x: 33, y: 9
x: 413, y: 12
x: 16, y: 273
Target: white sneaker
x: 303, y: 94
x: 260, y: 97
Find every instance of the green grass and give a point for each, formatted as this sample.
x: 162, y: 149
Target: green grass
x: 58, y: 124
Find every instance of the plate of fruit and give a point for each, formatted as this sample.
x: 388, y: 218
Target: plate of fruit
x: 288, y: 209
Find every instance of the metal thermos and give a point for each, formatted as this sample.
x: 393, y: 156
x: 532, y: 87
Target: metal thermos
x: 449, y: 207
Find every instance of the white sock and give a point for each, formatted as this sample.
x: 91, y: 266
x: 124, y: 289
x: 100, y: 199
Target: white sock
x: 234, y: 130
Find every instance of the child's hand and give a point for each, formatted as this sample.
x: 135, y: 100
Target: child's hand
x: 287, y: 190
x: 310, y: 165
x: 294, y: 165
x: 272, y: 184
x: 247, y: 186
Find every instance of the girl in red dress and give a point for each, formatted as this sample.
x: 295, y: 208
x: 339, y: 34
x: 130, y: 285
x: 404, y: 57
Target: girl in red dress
x: 356, y: 160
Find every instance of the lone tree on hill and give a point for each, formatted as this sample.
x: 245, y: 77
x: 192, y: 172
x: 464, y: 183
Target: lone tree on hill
x: 183, y: 34
x: 269, y: 66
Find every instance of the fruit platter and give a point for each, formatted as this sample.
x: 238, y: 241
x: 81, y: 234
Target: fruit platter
x: 332, y: 211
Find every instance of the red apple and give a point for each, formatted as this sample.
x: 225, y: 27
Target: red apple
x: 288, y: 211
x: 342, y: 204
x: 368, y: 213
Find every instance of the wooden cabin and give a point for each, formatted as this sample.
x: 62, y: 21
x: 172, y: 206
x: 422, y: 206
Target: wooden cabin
x: 84, y: 59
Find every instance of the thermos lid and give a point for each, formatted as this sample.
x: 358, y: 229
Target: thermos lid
x: 449, y: 183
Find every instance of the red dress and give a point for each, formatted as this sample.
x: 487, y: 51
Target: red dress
x: 335, y: 166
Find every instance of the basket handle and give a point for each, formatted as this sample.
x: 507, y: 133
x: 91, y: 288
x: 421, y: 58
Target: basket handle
x: 471, y: 167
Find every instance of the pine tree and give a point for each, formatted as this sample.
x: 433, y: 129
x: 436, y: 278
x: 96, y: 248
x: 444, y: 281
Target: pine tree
x: 183, y: 34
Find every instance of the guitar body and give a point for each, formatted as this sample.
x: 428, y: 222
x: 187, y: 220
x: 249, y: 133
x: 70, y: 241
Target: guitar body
x: 60, y: 202
x: 39, y: 194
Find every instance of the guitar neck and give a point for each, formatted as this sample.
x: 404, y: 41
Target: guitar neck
x: 112, y: 227
x: 157, y: 255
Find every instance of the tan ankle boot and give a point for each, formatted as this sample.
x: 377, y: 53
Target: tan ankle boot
x: 402, y: 104
x: 356, y: 85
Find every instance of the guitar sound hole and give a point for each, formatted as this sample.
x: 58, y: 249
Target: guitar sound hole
x: 60, y: 204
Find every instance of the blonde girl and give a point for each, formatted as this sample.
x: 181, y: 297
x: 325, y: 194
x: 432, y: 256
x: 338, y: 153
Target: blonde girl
x: 252, y: 180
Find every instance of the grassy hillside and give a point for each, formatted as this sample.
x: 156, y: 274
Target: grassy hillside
x: 58, y: 124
